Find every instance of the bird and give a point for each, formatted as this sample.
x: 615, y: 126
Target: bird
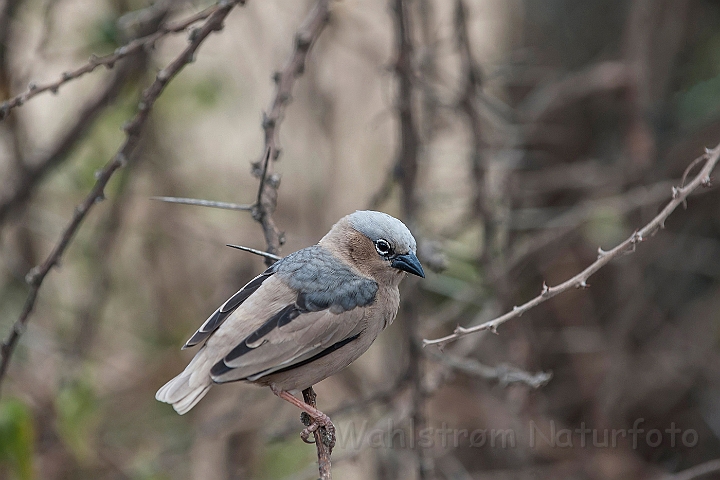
x: 305, y: 318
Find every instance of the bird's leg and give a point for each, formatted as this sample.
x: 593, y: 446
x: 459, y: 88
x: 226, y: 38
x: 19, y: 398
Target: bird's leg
x: 319, y: 419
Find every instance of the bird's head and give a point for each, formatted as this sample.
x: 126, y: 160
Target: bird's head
x: 375, y: 243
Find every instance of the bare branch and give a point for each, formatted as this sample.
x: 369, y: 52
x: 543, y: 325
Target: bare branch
x: 135, y: 46
x: 36, y: 171
x: 256, y: 252
x: 504, y: 374
x: 133, y: 130
x: 204, y: 203
x: 323, y: 449
x: 305, y: 38
x: 679, y: 194
x: 713, y: 466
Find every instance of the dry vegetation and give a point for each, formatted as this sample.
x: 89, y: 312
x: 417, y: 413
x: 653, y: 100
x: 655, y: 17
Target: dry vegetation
x: 515, y: 138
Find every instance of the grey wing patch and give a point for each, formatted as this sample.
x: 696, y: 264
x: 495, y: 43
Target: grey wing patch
x: 323, y: 281
x: 221, y: 314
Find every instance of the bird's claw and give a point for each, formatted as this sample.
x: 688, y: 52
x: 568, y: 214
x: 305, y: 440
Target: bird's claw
x: 327, y: 429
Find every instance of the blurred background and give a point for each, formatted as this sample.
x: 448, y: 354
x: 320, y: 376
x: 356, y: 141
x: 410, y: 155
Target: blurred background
x: 514, y: 137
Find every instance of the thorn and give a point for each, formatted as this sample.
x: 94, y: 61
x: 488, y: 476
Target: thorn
x: 54, y: 89
x: 583, y: 284
x: 32, y: 86
x: 93, y: 59
x: 100, y: 197
x: 122, y: 159
x: 707, y: 181
x: 708, y: 151
x: 545, y: 289
x: 601, y: 253
x: 193, y: 34
x: 98, y: 173
x: 121, y: 51
x: 163, y: 75
x: 675, y: 192
x: 493, y: 329
x: 66, y: 76
x: 32, y: 275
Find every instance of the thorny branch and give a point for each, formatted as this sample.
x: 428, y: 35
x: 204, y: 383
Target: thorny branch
x: 323, y: 449
x: 263, y: 210
x: 34, y: 172
x: 264, y: 207
x: 679, y: 195
x: 133, y: 130
x: 204, y: 203
x: 145, y: 43
x: 406, y: 168
x: 503, y: 374
x: 30, y: 173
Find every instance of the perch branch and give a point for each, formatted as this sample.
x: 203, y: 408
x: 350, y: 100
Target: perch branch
x: 323, y: 450
x: 264, y: 208
x: 146, y: 42
x: 679, y: 194
x: 132, y: 130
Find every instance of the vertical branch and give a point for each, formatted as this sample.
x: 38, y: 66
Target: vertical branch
x: 323, y: 450
x: 266, y: 203
x: 467, y: 103
x: 264, y: 207
x: 133, y: 130
x: 406, y: 173
x: 406, y: 167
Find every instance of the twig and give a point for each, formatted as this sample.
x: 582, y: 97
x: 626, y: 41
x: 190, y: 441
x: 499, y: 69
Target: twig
x: 406, y: 167
x: 679, y: 194
x: 256, y: 252
x: 108, y: 61
x: 133, y: 130
x: 323, y: 450
x: 34, y: 172
x: 264, y: 208
x: 204, y: 203
x: 504, y: 374
x: 697, y: 471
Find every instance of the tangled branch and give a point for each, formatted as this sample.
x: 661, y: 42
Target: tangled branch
x: 679, y: 196
x: 266, y: 203
x: 144, y: 43
x: 132, y: 130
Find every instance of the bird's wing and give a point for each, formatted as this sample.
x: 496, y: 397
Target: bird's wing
x: 286, y: 340
x: 312, y: 302
x: 227, y: 308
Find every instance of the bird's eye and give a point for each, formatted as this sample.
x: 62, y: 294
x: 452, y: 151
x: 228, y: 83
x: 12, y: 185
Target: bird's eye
x: 383, y: 247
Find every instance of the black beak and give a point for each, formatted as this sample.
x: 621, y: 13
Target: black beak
x: 408, y: 263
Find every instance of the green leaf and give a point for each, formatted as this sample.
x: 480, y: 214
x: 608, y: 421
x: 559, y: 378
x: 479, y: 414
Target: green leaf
x: 17, y: 436
x: 77, y: 415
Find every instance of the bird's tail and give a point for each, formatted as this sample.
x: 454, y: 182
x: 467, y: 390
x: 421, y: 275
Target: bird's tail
x: 187, y: 389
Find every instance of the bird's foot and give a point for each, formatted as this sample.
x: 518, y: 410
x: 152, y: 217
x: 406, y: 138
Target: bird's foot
x: 312, y: 418
x: 312, y: 424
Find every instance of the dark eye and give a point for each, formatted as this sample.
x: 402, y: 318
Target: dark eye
x: 383, y: 247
